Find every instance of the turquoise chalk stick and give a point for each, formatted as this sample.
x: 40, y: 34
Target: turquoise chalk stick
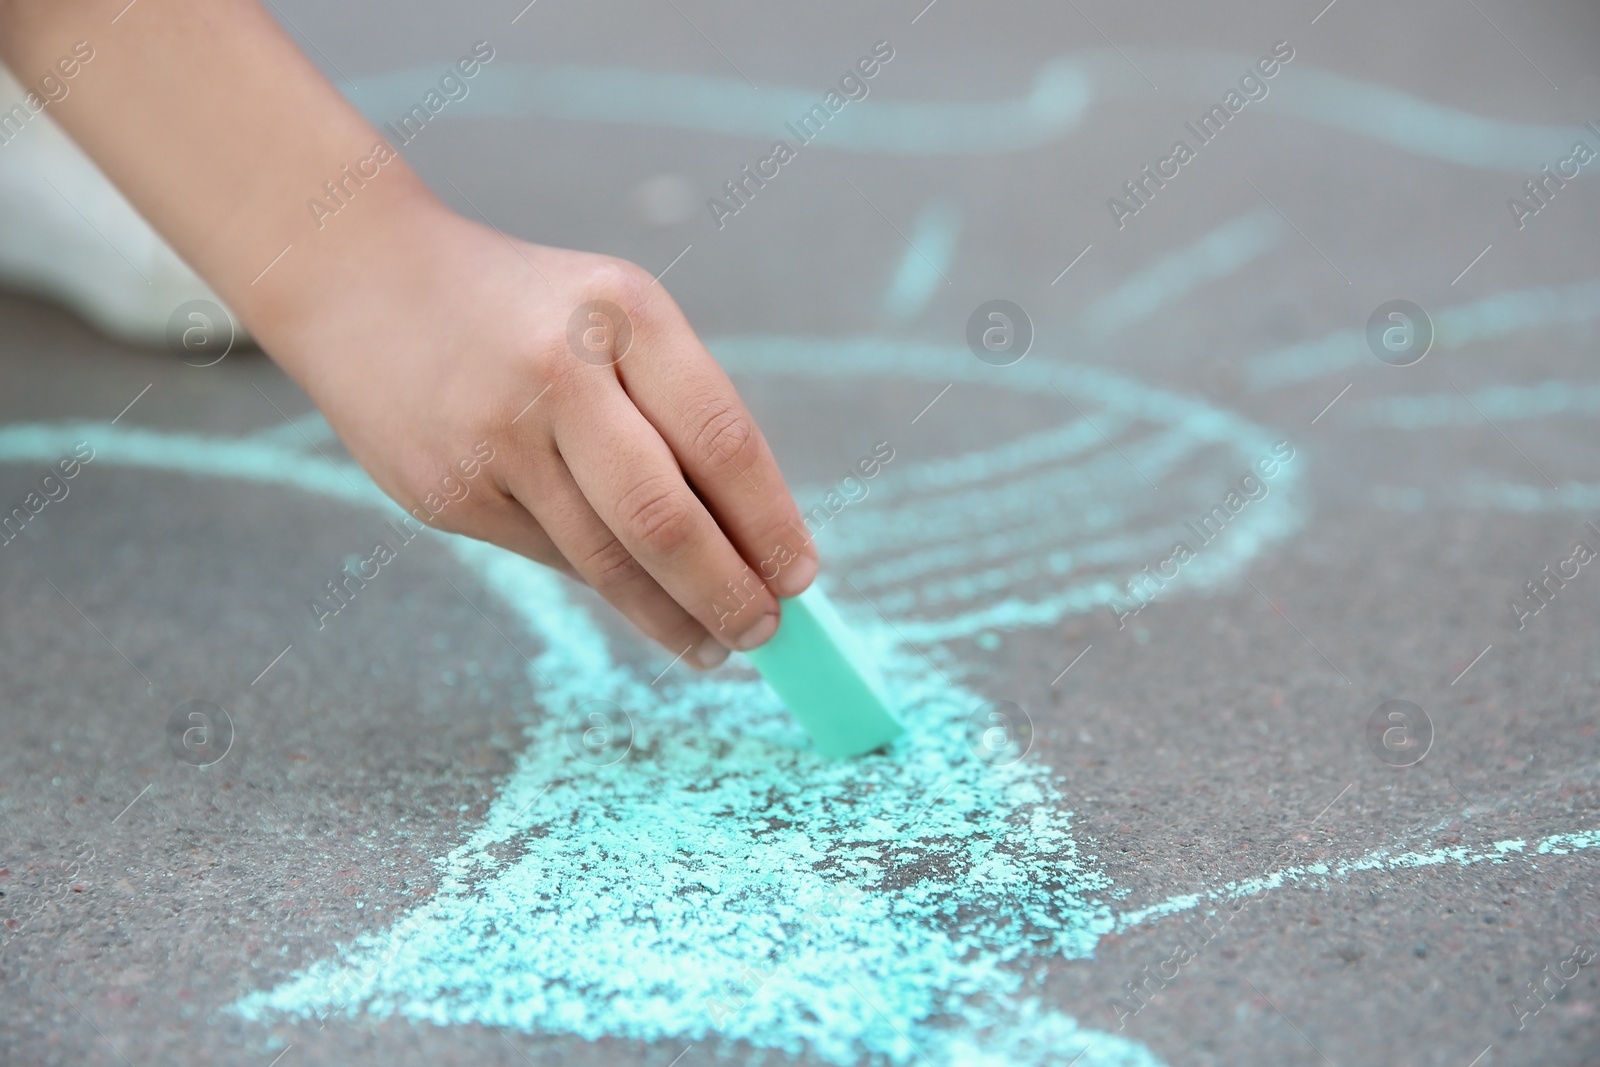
x: 812, y: 663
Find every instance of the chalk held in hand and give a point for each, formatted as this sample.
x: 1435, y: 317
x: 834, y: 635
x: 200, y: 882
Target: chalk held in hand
x: 831, y: 689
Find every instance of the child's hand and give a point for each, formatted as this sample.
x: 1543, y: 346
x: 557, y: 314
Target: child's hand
x: 422, y: 335
x: 621, y: 453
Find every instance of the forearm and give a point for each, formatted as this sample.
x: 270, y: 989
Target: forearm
x: 220, y: 132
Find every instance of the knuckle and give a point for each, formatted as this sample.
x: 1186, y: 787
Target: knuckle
x: 610, y: 305
x: 610, y: 566
x: 725, y: 434
x: 628, y: 286
x: 620, y: 280
x: 659, y: 515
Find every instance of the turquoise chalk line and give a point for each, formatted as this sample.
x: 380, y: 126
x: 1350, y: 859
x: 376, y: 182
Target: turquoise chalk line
x: 1321, y: 875
x: 1501, y: 404
x: 711, y: 104
x: 1043, y: 493
x: 1048, y: 110
x: 1458, y: 326
x: 1217, y: 254
x: 1485, y: 494
x: 926, y: 263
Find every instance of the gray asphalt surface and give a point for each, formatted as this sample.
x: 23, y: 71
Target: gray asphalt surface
x: 1222, y: 735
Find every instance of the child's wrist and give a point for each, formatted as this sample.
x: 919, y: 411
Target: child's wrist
x: 335, y: 264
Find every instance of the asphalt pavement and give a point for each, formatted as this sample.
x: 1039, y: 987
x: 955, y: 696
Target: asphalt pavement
x: 1231, y: 572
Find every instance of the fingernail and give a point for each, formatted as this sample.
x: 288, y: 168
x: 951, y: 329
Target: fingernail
x: 802, y: 574
x: 760, y: 633
x: 709, y: 653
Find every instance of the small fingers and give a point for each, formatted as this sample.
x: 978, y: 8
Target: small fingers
x: 632, y: 480
x: 594, y: 553
x: 691, y: 403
